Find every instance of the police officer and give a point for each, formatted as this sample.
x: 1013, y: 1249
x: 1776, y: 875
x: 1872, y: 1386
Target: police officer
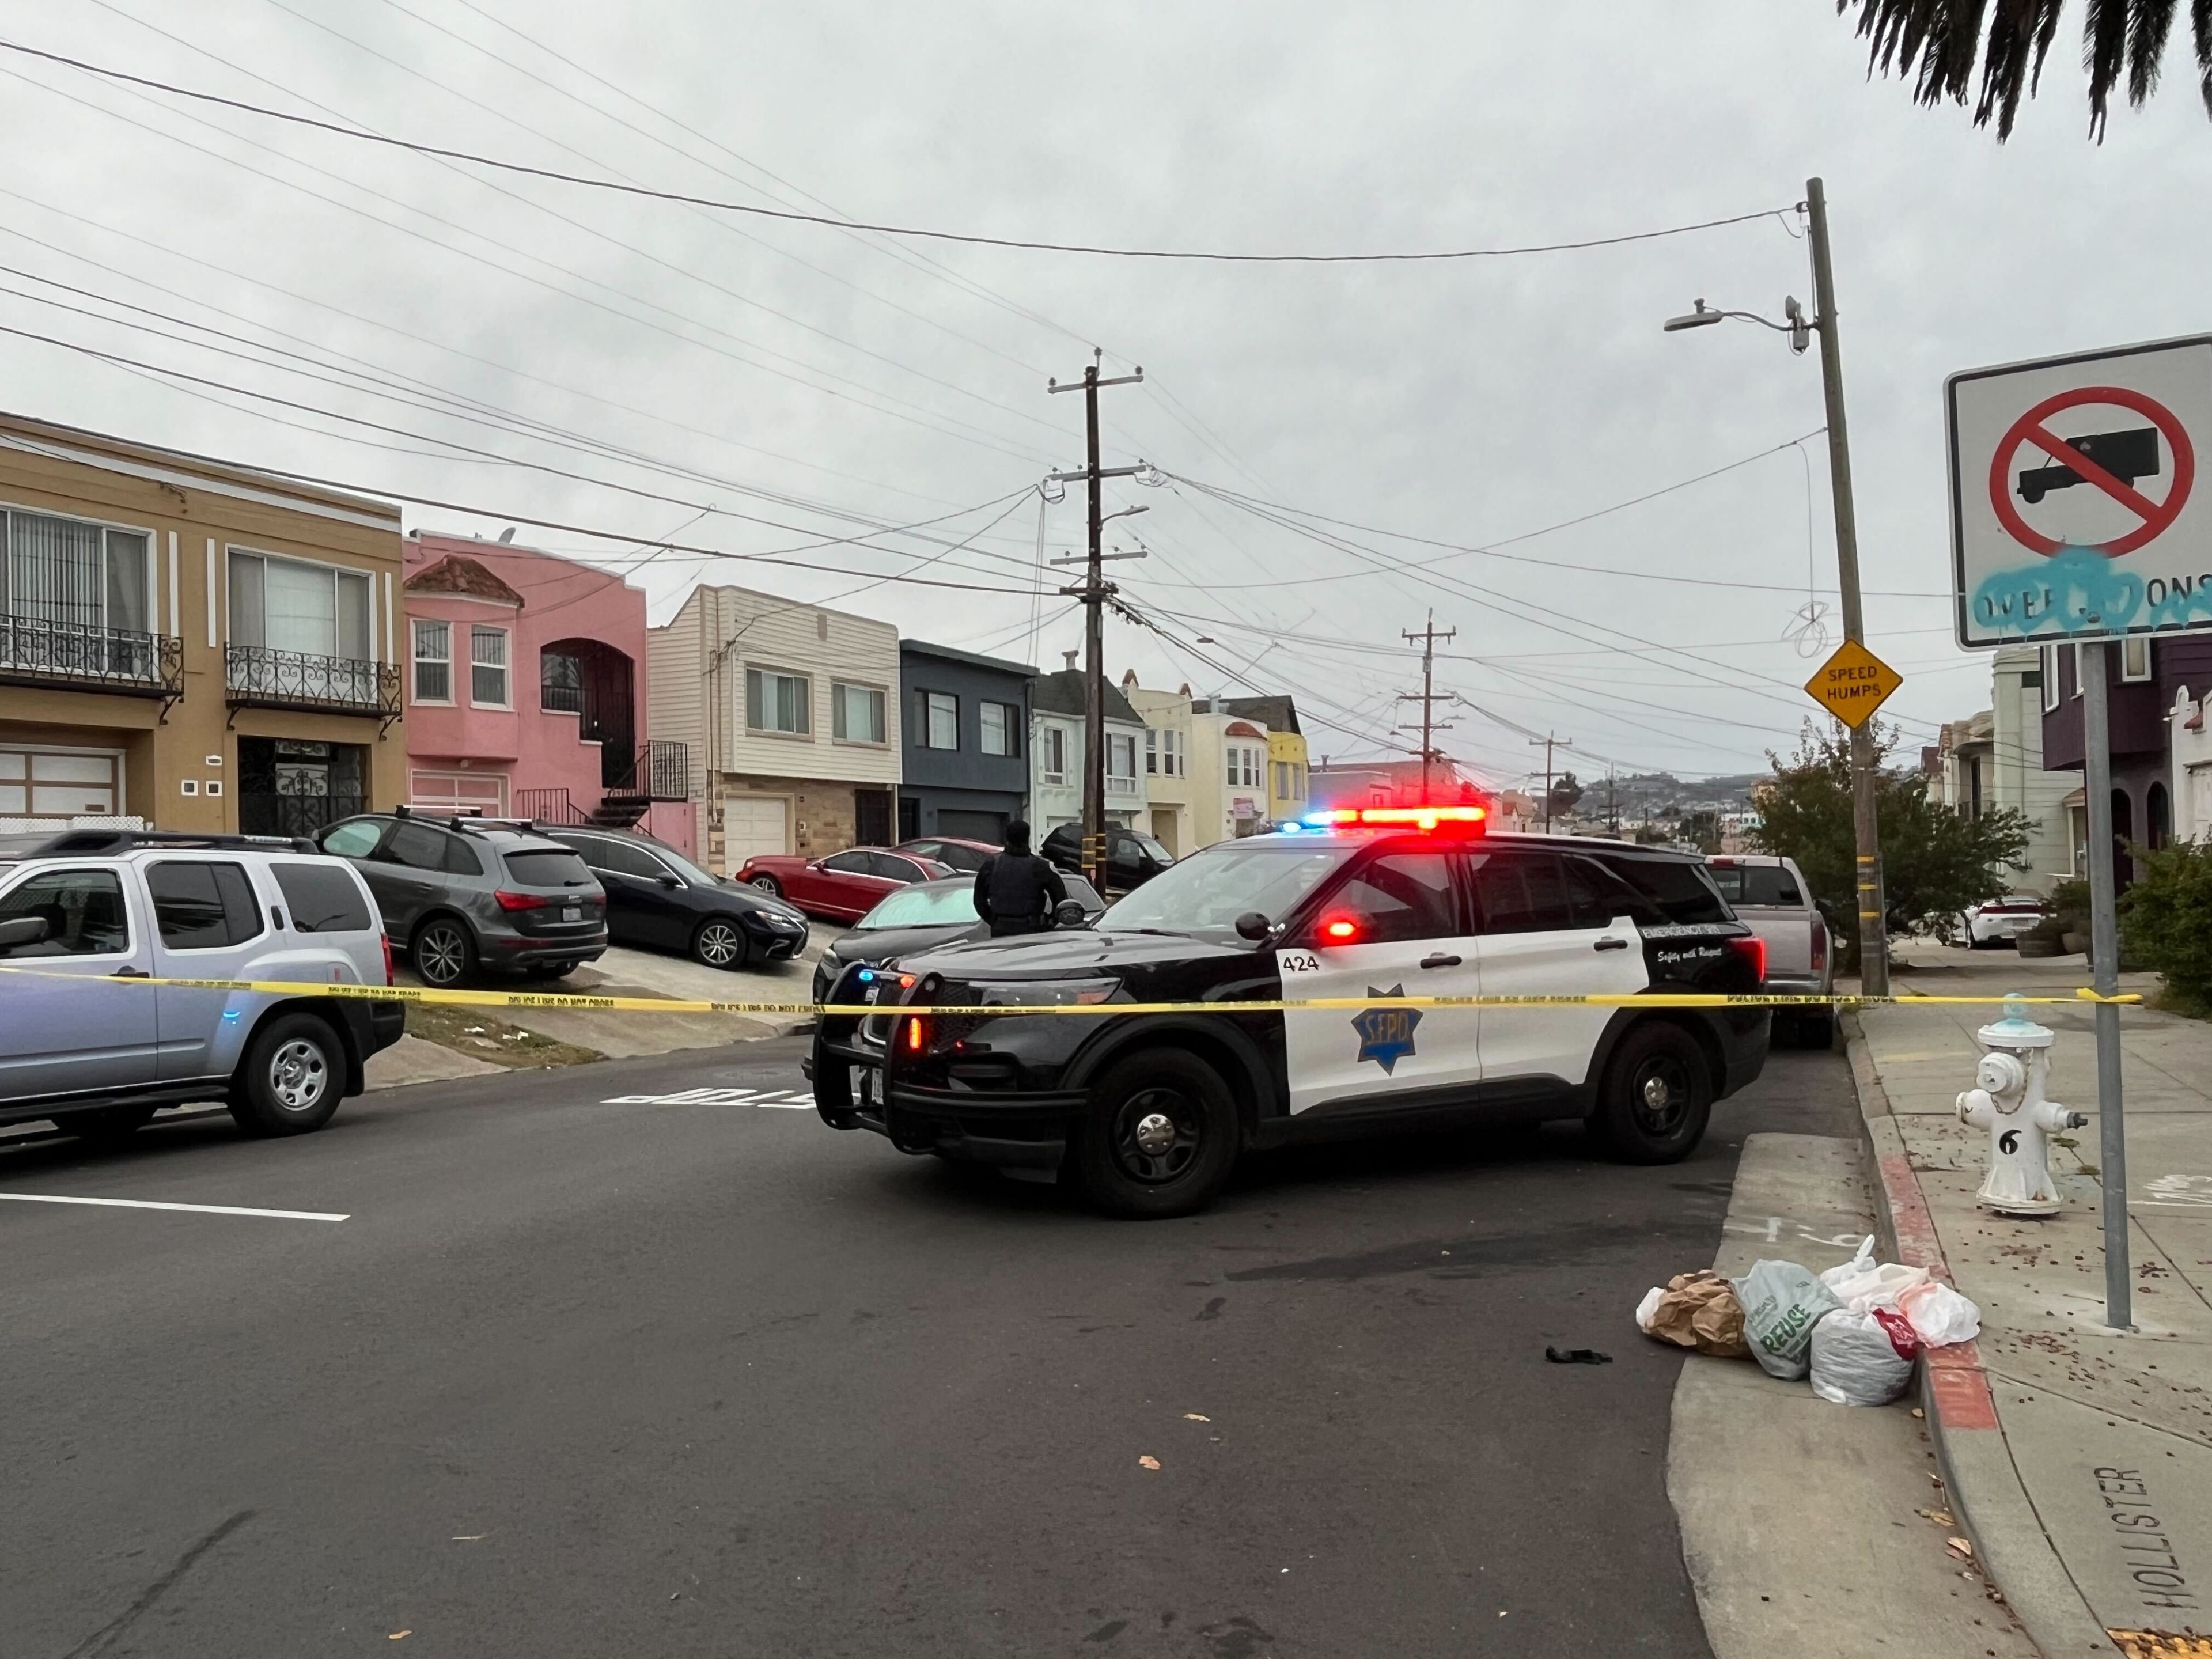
x: 1017, y: 892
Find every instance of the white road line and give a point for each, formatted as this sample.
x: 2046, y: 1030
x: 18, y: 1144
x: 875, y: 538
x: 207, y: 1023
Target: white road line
x: 195, y: 1209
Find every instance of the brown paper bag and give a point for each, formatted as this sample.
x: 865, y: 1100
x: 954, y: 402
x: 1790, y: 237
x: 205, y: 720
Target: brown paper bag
x: 1699, y: 1311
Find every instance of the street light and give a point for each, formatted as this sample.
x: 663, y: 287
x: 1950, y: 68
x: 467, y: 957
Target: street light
x: 1873, y: 943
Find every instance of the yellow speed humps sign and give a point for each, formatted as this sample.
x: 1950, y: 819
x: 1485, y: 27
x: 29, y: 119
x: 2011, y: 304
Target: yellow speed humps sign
x: 1853, y: 684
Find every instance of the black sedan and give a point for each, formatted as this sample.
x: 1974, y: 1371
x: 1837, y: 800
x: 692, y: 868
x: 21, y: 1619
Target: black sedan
x: 923, y: 917
x: 659, y: 900
x: 1132, y: 857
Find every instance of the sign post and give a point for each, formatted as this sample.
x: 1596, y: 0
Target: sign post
x: 2075, y: 517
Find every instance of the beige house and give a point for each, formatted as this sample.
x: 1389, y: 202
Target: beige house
x: 1229, y: 773
x: 792, y: 712
x: 1166, y: 715
x: 191, y: 645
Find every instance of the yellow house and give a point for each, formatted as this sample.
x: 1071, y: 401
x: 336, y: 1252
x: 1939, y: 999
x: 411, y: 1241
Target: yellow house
x: 191, y: 644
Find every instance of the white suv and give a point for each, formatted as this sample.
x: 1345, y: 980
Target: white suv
x: 90, y: 908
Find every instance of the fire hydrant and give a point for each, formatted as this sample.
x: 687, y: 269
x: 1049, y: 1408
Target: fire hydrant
x: 2008, y: 1101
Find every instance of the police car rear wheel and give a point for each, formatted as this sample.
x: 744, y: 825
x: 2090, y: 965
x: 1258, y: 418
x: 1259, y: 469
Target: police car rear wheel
x: 1658, y: 1093
x: 1159, y: 1140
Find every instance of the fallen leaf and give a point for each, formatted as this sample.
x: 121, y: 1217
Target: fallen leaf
x: 399, y: 1636
x: 1959, y: 1547
x: 1148, y: 1461
x: 470, y: 1537
x: 1193, y: 1416
x: 1916, y: 1411
x: 1944, y: 1518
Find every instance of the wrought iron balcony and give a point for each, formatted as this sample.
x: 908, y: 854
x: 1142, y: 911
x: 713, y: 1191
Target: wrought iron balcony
x: 35, y: 652
x: 258, y: 677
x: 659, y: 769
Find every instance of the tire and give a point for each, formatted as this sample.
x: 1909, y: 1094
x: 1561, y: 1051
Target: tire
x: 1656, y: 1096
x: 769, y: 885
x: 719, y: 942
x: 110, y: 1126
x: 1168, y: 1093
x: 291, y: 1078
x: 1817, y: 1030
x: 442, y: 953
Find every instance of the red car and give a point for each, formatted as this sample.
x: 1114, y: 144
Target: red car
x: 965, y: 857
x: 846, y: 885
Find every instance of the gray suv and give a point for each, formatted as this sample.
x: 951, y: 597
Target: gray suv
x: 461, y: 895
x: 84, y: 913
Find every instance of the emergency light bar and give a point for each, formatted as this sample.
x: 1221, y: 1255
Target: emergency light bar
x: 1419, y: 818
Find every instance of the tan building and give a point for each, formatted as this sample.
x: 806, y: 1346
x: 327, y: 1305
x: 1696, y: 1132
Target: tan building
x: 195, y: 646
x: 792, y: 714
x: 1167, y: 762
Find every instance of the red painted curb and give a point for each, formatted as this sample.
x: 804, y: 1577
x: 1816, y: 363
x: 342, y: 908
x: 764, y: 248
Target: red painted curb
x: 1958, y: 1389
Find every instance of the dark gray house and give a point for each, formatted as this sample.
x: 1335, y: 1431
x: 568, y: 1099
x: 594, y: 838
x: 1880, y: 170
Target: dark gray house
x: 966, y: 770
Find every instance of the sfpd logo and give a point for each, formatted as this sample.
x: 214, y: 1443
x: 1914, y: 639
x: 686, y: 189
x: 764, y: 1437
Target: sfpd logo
x: 1386, y: 1035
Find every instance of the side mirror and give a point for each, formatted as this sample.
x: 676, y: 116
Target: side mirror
x: 669, y: 881
x: 1070, y: 913
x: 21, y: 930
x: 1255, y: 926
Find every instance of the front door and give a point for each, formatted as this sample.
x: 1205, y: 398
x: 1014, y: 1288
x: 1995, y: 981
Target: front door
x: 1550, y: 926
x: 1396, y: 927
x: 70, y: 1027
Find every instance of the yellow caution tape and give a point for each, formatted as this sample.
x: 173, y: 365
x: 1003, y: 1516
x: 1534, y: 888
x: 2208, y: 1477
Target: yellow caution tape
x: 683, y: 1005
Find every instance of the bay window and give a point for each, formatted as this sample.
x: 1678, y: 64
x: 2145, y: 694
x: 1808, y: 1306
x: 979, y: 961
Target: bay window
x: 434, y: 661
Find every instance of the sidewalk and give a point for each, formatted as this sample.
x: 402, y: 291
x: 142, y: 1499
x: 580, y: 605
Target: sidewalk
x: 2080, y: 1457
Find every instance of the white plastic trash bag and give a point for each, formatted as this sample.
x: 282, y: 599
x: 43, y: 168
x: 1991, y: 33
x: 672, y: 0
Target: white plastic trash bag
x: 1863, y: 1283
x: 1782, y: 1302
x: 1940, y: 1315
x: 1864, y: 1358
x: 1648, y: 1307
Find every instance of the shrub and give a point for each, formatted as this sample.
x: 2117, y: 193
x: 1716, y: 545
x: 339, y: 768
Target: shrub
x: 2167, y: 915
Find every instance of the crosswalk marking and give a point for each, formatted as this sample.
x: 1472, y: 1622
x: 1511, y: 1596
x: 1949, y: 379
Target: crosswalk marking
x: 774, y: 1100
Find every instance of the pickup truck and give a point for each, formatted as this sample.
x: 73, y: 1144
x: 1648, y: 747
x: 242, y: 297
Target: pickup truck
x: 1771, y: 895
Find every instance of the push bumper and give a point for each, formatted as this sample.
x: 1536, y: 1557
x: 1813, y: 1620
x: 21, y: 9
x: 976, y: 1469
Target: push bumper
x: 1014, y: 1129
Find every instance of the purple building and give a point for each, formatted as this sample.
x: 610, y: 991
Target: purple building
x: 2143, y: 675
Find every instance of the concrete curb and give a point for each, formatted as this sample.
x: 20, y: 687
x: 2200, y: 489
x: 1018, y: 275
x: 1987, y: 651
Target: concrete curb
x: 1987, y: 1496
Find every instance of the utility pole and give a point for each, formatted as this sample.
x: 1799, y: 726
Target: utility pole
x: 1547, y: 743
x: 1873, y: 943
x: 1427, y: 696
x: 1094, y: 594
x: 1612, y: 805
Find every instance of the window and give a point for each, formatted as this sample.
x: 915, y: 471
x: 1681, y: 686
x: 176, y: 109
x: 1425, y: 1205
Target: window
x: 1400, y: 896
x: 2049, y: 655
x: 1164, y: 753
x: 1121, y: 758
x: 1290, y: 781
x: 2135, y: 658
x: 354, y: 841
x: 891, y: 867
x: 1599, y: 898
x: 856, y: 714
x: 434, y: 661
x: 290, y: 605
x: 417, y: 846
x: 1243, y: 766
x: 560, y: 683
x: 1053, y: 759
x: 1001, y: 722
x: 488, y: 666
x: 75, y: 574
x: 849, y: 864
x: 83, y: 910
x: 322, y: 900
x: 1756, y: 883
x: 779, y: 702
x: 936, y: 720
x: 2077, y: 670
x: 1152, y: 752
x: 203, y: 907
x: 549, y: 869
x: 1683, y: 891
x: 1523, y: 893
x: 617, y: 858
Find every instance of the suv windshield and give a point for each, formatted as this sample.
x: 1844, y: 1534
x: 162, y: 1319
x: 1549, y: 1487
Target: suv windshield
x: 1210, y: 890
x: 924, y: 907
x: 1151, y: 848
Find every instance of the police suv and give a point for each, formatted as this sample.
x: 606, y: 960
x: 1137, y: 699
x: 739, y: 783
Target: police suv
x: 1148, y: 1111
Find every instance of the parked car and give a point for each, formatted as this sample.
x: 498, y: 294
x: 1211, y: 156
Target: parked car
x: 90, y: 911
x: 659, y: 900
x: 1132, y: 857
x: 1772, y: 894
x: 844, y: 887
x: 1999, y: 921
x: 921, y: 917
x: 964, y: 857
x: 464, y: 894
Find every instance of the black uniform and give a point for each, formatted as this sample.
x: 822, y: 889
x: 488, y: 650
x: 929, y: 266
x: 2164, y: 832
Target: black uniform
x: 1017, y: 893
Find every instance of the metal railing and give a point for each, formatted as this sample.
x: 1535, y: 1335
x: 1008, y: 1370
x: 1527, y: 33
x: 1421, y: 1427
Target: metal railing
x: 257, y: 676
x: 35, y: 652
x: 659, y: 770
x: 553, y: 805
x: 560, y: 699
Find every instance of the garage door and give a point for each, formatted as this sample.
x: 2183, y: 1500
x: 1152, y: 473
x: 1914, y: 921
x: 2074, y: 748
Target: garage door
x: 972, y: 826
x: 754, y: 824
x: 458, y: 792
x: 57, y: 783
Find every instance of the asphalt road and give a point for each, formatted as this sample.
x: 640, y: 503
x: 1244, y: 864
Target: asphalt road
x: 578, y: 1378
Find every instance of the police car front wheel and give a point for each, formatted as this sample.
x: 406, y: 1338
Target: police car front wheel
x: 1159, y: 1139
x: 1657, y: 1095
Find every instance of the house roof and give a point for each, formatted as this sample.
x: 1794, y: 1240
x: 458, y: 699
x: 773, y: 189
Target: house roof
x: 459, y: 574
x: 1241, y: 729
x: 1276, y: 713
x: 947, y: 653
x: 1063, y: 694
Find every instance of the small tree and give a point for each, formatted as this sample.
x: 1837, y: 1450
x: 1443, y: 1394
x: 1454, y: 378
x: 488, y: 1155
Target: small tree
x: 1702, y: 830
x: 2168, y: 913
x: 1935, y: 862
x: 1565, y: 792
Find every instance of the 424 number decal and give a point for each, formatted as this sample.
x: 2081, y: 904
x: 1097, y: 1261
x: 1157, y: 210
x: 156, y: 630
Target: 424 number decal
x: 1296, y: 962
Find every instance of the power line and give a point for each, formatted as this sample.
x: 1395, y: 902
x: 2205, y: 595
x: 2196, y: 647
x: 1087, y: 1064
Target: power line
x: 619, y: 187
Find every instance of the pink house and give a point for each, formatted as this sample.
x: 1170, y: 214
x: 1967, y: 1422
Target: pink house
x: 526, y: 684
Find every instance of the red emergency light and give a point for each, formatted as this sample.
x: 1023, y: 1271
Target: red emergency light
x: 1415, y: 817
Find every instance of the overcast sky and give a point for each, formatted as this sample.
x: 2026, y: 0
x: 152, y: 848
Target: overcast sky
x: 825, y: 382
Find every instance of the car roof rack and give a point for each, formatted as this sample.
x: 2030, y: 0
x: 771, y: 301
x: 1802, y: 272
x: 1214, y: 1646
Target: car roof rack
x: 92, y: 841
x: 474, y: 818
